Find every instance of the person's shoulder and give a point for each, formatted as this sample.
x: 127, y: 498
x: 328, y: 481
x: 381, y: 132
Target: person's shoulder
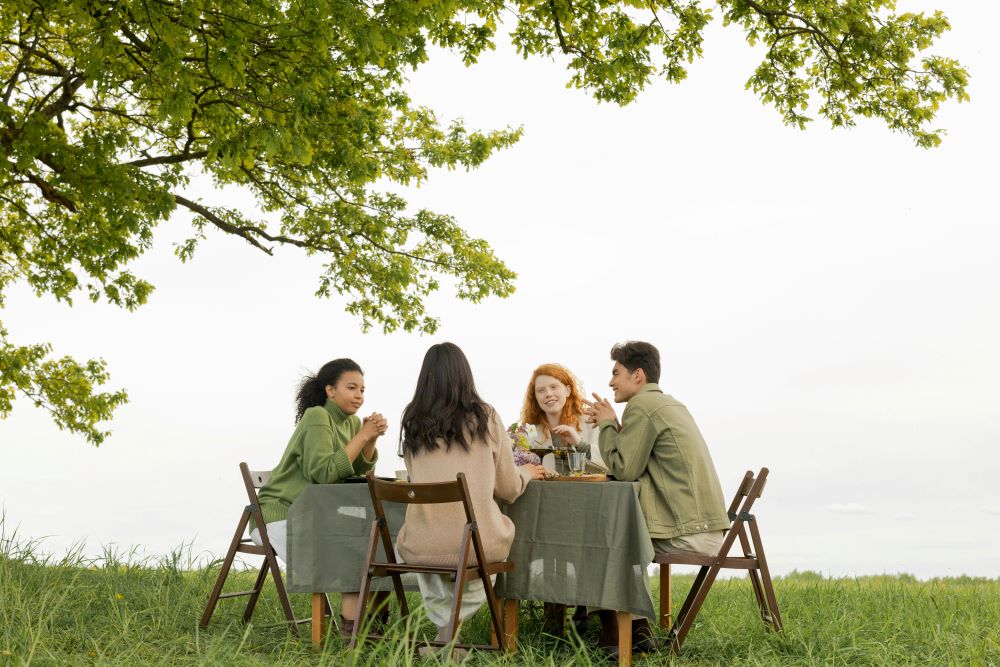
x: 315, y: 416
x: 653, y: 399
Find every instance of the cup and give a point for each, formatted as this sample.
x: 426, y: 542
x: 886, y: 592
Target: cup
x: 402, y: 475
x: 577, y: 462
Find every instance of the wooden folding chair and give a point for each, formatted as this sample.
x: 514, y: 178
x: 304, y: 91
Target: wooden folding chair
x: 434, y: 493
x: 752, y: 561
x: 253, y: 480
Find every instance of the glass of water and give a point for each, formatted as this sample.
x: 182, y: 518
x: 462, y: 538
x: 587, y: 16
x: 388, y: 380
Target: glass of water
x: 577, y: 462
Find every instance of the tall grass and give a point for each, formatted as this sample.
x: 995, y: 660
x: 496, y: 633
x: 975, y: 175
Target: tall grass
x: 122, y: 609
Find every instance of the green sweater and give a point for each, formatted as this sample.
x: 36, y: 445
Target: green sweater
x: 660, y: 446
x: 315, y: 455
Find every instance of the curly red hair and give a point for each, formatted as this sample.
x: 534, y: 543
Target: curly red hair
x: 531, y: 412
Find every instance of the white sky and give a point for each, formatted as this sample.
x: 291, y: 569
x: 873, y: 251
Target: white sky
x: 825, y: 303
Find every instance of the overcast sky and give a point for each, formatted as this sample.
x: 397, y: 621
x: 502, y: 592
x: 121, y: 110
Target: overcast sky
x: 826, y: 303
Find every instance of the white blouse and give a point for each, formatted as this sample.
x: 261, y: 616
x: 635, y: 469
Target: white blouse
x: 588, y: 436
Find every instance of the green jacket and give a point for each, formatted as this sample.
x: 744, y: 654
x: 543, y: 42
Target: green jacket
x: 315, y: 455
x: 660, y: 446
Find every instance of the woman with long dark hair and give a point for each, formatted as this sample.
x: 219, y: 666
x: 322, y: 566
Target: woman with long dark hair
x: 447, y: 429
x: 330, y: 442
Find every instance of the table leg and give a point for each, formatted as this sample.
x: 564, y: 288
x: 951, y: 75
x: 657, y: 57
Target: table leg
x: 624, y: 639
x: 510, y: 628
x: 318, y: 608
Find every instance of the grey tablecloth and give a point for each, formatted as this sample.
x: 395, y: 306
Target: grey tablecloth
x: 329, y: 526
x: 576, y: 543
x: 580, y: 543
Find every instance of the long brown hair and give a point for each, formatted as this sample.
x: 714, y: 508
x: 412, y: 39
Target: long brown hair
x: 531, y: 412
x: 445, y: 405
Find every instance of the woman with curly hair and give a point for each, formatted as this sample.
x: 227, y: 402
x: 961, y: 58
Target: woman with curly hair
x: 553, y: 405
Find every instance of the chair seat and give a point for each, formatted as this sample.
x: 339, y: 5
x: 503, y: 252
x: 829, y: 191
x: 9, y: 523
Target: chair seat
x: 380, y: 569
x: 251, y: 549
x: 731, y: 563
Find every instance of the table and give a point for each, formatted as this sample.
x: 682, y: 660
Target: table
x: 576, y: 543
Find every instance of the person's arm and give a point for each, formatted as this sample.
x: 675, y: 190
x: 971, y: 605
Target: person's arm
x: 364, y: 443
x: 626, y: 451
x: 510, y: 481
x: 322, y: 461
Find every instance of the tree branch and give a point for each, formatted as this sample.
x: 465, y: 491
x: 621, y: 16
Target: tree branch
x: 166, y: 159
x: 243, y: 232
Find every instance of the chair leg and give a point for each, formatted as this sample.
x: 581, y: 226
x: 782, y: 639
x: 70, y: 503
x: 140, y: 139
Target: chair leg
x: 686, y: 605
x: 279, y: 585
x: 397, y: 584
x: 227, y: 563
x: 494, y: 605
x: 327, y: 608
x: 758, y: 592
x: 665, y: 595
x: 772, y: 601
x: 252, y: 602
x: 459, y: 589
x: 685, y: 621
x: 366, y: 579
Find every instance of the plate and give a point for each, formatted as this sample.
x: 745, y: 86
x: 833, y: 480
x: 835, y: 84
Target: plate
x: 589, y: 477
x: 363, y: 480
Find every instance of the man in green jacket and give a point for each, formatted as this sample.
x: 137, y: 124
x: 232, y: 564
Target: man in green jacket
x: 658, y: 444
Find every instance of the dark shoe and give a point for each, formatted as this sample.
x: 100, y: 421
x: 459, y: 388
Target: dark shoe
x: 380, y: 602
x: 581, y: 619
x: 643, y: 640
x: 554, y: 619
x: 608, y: 639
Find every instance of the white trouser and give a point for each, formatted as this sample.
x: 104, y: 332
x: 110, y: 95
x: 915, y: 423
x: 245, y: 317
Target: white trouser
x: 438, y: 591
x: 278, y: 536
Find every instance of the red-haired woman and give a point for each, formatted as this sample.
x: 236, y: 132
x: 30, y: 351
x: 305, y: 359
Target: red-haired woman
x: 553, y: 403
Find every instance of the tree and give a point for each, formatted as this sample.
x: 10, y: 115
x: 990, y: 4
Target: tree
x: 109, y: 107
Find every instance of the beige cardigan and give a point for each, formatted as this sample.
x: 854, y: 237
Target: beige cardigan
x: 432, y: 534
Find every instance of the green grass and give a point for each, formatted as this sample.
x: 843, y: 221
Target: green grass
x: 119, y: 609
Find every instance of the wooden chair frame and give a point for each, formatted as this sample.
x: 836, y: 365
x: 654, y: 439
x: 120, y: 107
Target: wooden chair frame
x: 752, y: 560
x: 428, y: 493
x: 253, y: 480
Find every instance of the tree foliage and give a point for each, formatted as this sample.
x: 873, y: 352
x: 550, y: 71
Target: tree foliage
x: 109, y: 107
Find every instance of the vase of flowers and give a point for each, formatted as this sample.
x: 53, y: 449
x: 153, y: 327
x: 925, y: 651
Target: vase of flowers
x: 522, y: 437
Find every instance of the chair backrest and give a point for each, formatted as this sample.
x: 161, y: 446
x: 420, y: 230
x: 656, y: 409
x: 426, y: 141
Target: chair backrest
x: 253, y: 480
x: 747, y: 485
x: 410, y: 493
x: 749, y: 491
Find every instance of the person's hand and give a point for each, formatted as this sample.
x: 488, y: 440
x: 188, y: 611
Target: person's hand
x: 537, y: 471
x: 568, y: 433
x: 599, y: 410
x: 373, y: 426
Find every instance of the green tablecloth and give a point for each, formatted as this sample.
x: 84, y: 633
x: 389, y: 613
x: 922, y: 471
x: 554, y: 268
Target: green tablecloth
x: 576, y: 543
x: 329, y: 526
x: 580, y: 543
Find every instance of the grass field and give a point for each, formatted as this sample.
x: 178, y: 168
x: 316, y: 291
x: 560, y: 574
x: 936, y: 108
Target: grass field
x: 122, y: 610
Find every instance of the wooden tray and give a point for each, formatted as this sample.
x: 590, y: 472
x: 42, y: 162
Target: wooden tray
x: 589, y: 477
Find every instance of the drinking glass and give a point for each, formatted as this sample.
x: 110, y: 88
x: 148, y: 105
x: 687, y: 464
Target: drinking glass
x: 577, y: 462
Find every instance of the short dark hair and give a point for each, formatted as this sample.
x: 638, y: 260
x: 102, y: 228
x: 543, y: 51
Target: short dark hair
x: 633, y: 354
